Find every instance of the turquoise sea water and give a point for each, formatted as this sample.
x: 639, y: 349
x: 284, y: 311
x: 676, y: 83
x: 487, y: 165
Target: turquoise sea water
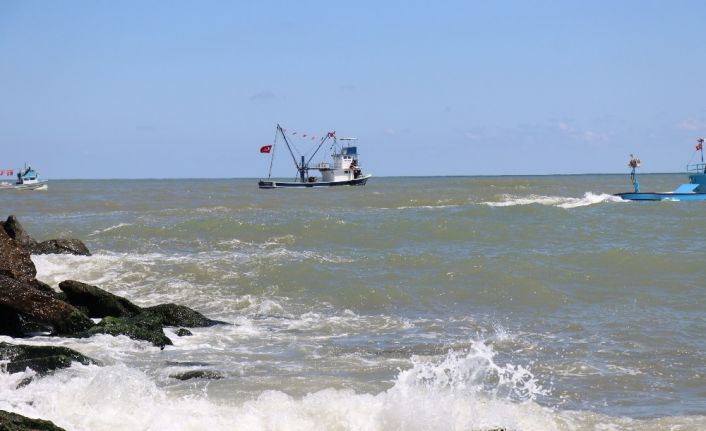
x: 530, y: 303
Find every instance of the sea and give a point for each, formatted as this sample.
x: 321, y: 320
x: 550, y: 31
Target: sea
x: 526, y: 303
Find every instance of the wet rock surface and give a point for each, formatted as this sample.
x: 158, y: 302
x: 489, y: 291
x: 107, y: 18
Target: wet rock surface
x: 14, y: 422
x: 141, y: 327
x: 179, y: 315
x: 39, y: 308
x: 29, y: 306
x: 41, y: 359
x: 61, y: 246
x: 15, y: 260
x: 198, y: 374
x: 97, y: 302
x: 17, y: 232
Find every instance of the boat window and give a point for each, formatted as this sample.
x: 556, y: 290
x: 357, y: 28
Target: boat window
x: 346, y: 172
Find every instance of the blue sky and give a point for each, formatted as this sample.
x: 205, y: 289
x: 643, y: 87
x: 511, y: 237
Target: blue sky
x: 104, y: 89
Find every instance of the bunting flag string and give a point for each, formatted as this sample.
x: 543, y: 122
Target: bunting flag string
x: 8, y: 172
x: 310, y: 136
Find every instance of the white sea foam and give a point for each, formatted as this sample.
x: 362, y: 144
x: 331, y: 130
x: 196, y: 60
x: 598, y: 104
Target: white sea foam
x: 465, y: 390
x: 462, y: 391
x: 556, y: 201
x: 108, y: 229
x: 108, y: 266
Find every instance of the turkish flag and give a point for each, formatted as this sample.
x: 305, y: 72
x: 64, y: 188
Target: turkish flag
x: 266, y: 149
x: 699, y: 146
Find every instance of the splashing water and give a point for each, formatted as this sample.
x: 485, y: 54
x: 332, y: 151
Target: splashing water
x: 556, y: 201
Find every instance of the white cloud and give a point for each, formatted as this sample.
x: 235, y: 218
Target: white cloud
x: 692, y: 124
x: 263, y: 95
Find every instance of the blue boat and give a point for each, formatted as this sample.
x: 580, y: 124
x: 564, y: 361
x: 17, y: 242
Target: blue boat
x: 343, y: 171
x: 694, y: 190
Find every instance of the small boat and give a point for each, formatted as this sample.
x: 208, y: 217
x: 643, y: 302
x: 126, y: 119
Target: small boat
x: 4, y: 185
x: 343, y: 171
x: 694, y: 190
x: 28, y: 179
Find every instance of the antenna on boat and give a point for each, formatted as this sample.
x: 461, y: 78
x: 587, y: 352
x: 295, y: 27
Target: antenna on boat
x: 634, y: 163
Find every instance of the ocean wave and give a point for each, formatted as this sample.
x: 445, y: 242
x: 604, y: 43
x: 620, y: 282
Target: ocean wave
x: 108, y: 229
x: 108, y: 267
x: 556, y: 201
x: 464, y: 390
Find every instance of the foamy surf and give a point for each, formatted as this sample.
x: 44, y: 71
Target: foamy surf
x: 465, y: 390
x: 556, y: 201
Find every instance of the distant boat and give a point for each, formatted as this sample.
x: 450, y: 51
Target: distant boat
x: 28, y: 179
x: 344, y: 170
x: 694, y: 190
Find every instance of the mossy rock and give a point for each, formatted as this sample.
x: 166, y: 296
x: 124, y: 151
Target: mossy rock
x: 14, y: 422
x: 144, y: 326
x: 179, y: 315
x: 41, y: 359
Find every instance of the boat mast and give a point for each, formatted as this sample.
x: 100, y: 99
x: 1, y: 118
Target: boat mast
x: 300, y: 168
x: 634, y: 164
x: 272, y: 156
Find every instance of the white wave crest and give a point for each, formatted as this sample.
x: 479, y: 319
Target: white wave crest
x: 556, y: 201
x: 108, y: 229
x: 462, y: 391
x: 447, y: 395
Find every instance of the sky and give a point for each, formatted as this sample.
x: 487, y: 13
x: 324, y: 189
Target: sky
x: 191, y: 89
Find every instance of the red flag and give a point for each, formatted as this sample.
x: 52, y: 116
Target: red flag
x: 332, y: 134
x: 10, y: 172
x: 699, y: 146
x: 266, y: 148
x: 2, y: 173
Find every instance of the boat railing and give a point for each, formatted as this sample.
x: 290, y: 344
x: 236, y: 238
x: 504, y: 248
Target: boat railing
x: 697, y: 168
x: 322, y: 166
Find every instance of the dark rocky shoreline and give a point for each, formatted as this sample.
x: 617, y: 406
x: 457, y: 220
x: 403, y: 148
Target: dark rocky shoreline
x: 29, y: 307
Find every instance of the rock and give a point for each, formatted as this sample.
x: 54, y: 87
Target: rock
x: 179, y: 315
x: 198, y: 374
x: 42, y: 359
x: 183, y: 332
x: 40, y: 307
x: 97, y: 302
x: 14, y: 422
x: 144, y: 326
x: 16, y: 325
x: 15, y: 230
x: 15, y: 261
x: 61, y: 246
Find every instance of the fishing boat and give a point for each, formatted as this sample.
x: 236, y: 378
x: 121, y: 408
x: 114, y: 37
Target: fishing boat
x: 694, y: 190
x: 344, y: 170
x: 28, y: 179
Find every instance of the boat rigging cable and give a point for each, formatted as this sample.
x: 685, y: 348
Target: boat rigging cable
x: 303, y: 166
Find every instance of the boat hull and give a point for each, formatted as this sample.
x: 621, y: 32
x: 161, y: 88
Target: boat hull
x: 662, y: 196
x: 298, y: 185
x: 42, y: 185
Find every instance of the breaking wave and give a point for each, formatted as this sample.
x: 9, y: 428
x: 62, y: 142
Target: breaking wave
x: 461, y: 391
x: 556, y: 201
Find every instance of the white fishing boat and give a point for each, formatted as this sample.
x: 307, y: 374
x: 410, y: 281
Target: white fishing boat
x: 28, y: 179
x: 344, y: 169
